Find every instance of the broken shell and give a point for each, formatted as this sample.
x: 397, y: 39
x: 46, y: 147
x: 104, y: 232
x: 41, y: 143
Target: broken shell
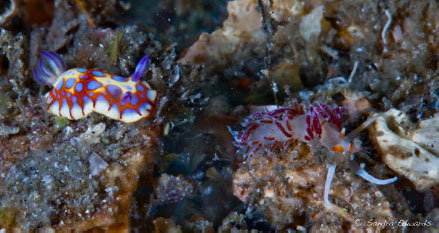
x: 409, y: 152
x: 8, y: 10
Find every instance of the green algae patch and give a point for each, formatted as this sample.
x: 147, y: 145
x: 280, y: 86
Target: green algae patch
x: 61, y: 122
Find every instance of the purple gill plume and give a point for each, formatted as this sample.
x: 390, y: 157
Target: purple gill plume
x: 48, y: 68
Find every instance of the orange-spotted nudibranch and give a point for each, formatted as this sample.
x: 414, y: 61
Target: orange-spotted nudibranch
x: 78, y: 92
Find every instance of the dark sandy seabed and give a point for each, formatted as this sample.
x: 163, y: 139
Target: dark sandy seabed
x: 213, y: 63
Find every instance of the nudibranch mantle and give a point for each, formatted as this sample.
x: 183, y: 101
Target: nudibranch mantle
x: 78, y: 92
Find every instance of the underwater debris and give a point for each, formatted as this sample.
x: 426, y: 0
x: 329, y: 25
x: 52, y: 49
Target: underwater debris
x: 411, y: 152
x: 57, y: 189
x: 8, y: 8
x: 39, y: 187
x: 7, y: 130
x: 356, y: 104
x: 171, y: 189
x: 232, y: 222
x: 97, y: 164
x: 92, y: 134
x: 66, y: 23
x: 386, y: 27
x: 166, y: 225
x: 73, y: 19
x: 310, y: 26
x: 13, y: 56
x: 288, y: 187
x: 243, y: 26
x: 78, y: 92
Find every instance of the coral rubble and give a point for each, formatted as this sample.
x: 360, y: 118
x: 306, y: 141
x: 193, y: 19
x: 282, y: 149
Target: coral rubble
x: 240, y: 35
x: 288, y: 188
x: 172, y: 189
x: 407, y: 150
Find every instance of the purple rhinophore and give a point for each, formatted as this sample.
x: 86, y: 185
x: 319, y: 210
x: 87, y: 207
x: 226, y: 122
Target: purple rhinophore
x: 140, y: 69
x: 48, y: 68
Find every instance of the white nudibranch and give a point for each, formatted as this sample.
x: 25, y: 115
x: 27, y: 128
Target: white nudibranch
x: 279, y: 128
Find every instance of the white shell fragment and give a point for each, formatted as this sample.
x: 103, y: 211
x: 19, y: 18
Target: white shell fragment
x: 410, y: 152
x: 93, y: 133
x: 97, y: 164
x: 310, y: 26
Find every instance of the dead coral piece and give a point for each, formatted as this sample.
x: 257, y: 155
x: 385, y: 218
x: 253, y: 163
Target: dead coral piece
x: 97, y: 164
x: 410, y: 153
x: 240, y: 36
x: 121, y: 181
x: 356, y: 104
x: 66, y: 22
x: 290, y: 193
x: 13, y: 53
x: 230, y: 223
x: 310, y: 26
x: 92, y: 135
x: 66, y: 189
x: 426, y: 134
x: 282, y: 10
x: 36, y: 189
x: 8, y: 8
x: 72, y: 19
x: 7, y: 130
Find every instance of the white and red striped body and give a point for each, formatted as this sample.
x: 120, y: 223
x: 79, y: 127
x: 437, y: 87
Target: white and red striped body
x: 283, y: 126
